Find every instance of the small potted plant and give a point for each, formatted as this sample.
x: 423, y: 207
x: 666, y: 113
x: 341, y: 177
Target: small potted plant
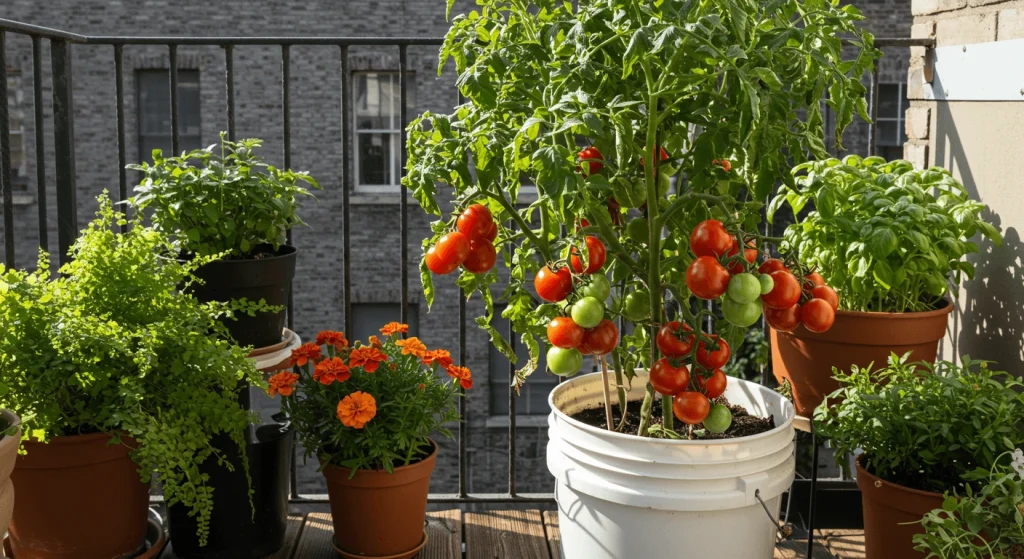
x: 118, y: 375
x: 891, y: 240
x: 985, y: 524
x: 366, y: 412
x: 226, y: 201
x: 924, y: 430
x: 10, y: 439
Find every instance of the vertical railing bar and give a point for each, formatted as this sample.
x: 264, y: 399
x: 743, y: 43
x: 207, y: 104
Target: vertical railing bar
x: 403, y: 84
x: 463, y: 427
x: 172, y: 51
x: 122, y: 159
x: 37, y: 87
x: 346, y: 181
x: 286, y: 124
x: 64, y: 146
x: 229, y: 79
x: 873, y: 125
x: 6, y: 179
x: 511, y: 414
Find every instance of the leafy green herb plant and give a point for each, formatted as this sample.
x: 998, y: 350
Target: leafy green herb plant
x: 886, y: 236
x: 925, y: 426
x: 112, y: 345
x: 225, y: 200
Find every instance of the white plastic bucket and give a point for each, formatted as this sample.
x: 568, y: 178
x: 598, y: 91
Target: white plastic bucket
x: 625, y: 497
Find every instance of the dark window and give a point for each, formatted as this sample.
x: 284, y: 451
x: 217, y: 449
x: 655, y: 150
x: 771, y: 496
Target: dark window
x: 892, y: 105
x: 367, y: 318
x: 533, y: 397
x: 154, y: 102
x: 378, y: 129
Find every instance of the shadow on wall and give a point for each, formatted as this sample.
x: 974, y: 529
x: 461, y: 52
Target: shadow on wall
x: 989, y: 318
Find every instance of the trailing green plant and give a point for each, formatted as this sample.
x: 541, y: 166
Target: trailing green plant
x: 228, y: 202
x: 924, y: 426
x: 888, y: 237
x: 980, y: 524
x: 113, y: 345
x: 715, y: 98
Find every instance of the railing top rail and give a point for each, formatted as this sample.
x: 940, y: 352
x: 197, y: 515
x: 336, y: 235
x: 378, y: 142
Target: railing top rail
x: 905, y: 42
x: 37, y: 31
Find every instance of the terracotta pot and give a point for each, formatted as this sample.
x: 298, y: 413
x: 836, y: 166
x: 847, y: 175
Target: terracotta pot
x: 891, y: 515
x: 377, y: 514
x: 78, y: 498
x: 8, y: 453
x: 806, y: 359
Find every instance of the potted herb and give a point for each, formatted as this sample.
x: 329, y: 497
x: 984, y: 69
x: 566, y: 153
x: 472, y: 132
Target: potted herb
x: 125, y: 377
x: 685, y: 113
x: 891, y: 240
x: 985, y: 524
x: 366, y: 412
x: 924, y: 430
x: 226, y: 201
x: 10, y: 439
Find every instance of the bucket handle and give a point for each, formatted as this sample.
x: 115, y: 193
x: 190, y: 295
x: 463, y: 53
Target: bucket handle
x: 784, y: 530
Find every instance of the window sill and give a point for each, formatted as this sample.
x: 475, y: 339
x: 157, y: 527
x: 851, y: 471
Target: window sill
x: 377, y: 198
x: 525, y: 421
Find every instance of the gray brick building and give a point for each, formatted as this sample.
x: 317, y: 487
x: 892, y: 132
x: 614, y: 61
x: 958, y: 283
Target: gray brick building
x: 316, y: 99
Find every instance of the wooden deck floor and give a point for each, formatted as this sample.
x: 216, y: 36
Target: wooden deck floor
x: 508, y: 534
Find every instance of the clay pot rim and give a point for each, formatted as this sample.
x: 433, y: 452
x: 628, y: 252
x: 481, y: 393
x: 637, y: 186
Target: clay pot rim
x: 68, y: 440
x: 398, y: 470
x: 913, y: 315
x: 872, y: 478
x: 409, y: 553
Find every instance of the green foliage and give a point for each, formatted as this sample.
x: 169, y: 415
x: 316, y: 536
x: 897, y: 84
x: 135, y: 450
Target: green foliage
x: 228, y: 203
x: 885, y: 236
x: 113, y: 346
x: 737, y: 79
x: 752, y: 357
x: 924, y: 426
x: 985, y: 524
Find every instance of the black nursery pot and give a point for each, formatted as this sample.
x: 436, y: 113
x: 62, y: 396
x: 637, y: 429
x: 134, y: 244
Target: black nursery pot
x: 267, y: 278
x: 234, y: 532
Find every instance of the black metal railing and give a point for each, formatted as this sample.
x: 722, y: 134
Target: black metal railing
x: 61, y: 43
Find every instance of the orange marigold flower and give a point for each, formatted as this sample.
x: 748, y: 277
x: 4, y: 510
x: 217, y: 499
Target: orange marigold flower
x: 332, y: 369
x: 422, y: 387
x: 375, y: 341
x: 369, y: 358
x: 334, y: 339
x: 412, y: 346
x: 305, y: 353
x: 466, y: 383
x: 440, y: 356
x: 460, y: 373
x: 393, y: 328
x: 282, y: 383
x: 357, y: 409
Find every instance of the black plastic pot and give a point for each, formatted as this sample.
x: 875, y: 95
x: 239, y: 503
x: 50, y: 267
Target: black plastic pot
x: 267, y: 278
x: 234, y: 532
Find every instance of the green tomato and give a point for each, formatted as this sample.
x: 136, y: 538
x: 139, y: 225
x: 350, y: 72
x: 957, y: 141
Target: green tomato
x: 599, y: 287
x: 741, y: 314
x: 636, y: 230
x: 636, y: 307
x: 744, y: 288
x: 588, y: 312
x: 767, y: 283
x: 630, y: 193
x: 719, y: 419
x: 564, y: 362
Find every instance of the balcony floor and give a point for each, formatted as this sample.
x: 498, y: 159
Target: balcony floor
x: 510, y: 534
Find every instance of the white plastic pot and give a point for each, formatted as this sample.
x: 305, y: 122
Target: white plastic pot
x: 624, y: 497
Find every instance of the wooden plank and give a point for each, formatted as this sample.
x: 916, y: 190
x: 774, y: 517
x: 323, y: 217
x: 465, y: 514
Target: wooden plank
x: 554, y: 534
x: 797, y: 548
x: 846, y: 544
x: 292, y: 533
x: 444, y: 535
x: 505, y: 534
x: 315, y: 541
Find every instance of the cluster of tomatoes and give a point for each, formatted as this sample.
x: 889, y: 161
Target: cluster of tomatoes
x: 691, y: 401
x: 583, y: 329
x: 471, y: 245
x: 794, y: 302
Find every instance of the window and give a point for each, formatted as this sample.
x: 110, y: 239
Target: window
x: 533, y: 396
x: 154, y: 102
x: 367, y: 318
x: 16, y: 122
x: 378, y: 129
x: 892, y: 134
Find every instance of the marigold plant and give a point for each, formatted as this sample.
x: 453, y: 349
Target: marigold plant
x: 370, y: 405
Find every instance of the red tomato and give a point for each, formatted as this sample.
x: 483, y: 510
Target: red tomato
x: 600, y: 339
x: 671, y: 340
x: 551, y: 285
x: 715, y: 358
x: 564, y: 332
x: 828, y: 294
x: 668, y: 379
x: 475, y: 222
x: 615, y: 210
x: 691, y: 407
x: 749, y: 253
x: 783, y: 320
x: 817, y: 315
x: 596, y: 255
x: 772, y: 265
x: 582, y: 223
x: 595, y: 161
x: 438, y: 266
x: 662, y: 156
x: 493, y: 233
x: 726, y: 165
x: 706, y: 278
x: 786, y: 292
x: 481, y: 256
x: 713, y: 386
x: 448, y: 254
x: 815, y: 278
x: 709, y: 238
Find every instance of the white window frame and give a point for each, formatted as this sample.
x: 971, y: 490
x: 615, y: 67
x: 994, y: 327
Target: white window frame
x: 394, y: 130
x: 900, y: 119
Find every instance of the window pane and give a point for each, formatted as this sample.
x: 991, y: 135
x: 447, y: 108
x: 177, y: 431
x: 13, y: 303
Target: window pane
x: 888, y: 101
x: 154, y: 102
x: 367, y: 318
x: 374, y: 152
x: 887, y: 132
